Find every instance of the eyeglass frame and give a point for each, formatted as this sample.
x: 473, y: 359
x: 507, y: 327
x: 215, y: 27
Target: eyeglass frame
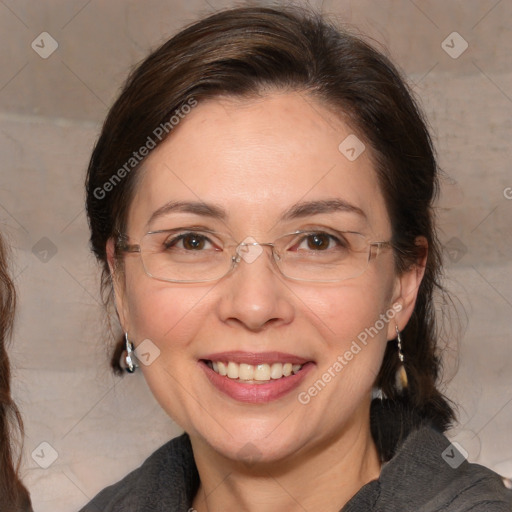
x: 122, y: 245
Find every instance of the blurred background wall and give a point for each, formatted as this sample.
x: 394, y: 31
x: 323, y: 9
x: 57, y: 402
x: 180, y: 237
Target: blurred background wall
x: 63, y: 63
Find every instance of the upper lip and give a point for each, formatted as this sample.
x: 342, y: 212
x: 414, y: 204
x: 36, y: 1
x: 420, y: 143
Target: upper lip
x: 241, y: 357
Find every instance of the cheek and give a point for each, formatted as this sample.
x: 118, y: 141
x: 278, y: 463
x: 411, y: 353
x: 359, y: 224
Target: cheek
x: 353, y: 323
x: 171, y: 317
x: 163, y: 312
x: 344, y: 312
x: 354, y: 339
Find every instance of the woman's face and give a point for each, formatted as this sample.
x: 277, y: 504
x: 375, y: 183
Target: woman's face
x: 256, y: 161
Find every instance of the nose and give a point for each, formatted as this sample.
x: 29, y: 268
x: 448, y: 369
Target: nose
x: 255, y: 295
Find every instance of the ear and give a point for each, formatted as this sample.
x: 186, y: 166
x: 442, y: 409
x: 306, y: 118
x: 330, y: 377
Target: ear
x: 406, y: 290
x: 118, y: 284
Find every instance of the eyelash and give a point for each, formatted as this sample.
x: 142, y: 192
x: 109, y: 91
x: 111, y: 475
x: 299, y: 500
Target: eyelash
x: 176, y: 239
x: 340, y: 241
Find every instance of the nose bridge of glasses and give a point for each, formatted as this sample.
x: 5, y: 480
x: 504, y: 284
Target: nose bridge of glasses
x: 250, y: 250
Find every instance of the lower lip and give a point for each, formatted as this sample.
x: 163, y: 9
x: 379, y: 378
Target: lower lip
x: 256, y: 393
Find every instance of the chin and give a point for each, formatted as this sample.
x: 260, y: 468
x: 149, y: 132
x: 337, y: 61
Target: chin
x: 252, y: 452
x: 252, y: 442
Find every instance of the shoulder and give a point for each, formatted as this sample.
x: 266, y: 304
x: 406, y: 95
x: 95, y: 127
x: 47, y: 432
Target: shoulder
x: 147, y: 487
x: 431, y: 474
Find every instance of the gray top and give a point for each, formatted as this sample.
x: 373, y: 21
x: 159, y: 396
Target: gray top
x: 426, y: 474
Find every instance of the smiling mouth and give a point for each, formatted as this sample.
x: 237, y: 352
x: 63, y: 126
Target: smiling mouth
x: 254, y: 373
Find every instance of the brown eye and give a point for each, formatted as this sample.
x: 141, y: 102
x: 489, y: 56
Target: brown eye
x: 318, y: 241
x: 192, y: 241
x: 187, y: 241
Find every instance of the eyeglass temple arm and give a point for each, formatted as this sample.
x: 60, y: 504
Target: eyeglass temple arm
x: 378, y: 247
x: 123, y: 246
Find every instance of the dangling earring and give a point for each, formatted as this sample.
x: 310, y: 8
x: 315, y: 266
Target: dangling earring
x: 401, y: 374
x: 130, y: 364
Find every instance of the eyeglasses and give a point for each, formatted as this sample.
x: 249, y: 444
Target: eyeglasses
x: 196, y: 256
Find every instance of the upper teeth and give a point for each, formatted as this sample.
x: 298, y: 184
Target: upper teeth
x: 260, y: 372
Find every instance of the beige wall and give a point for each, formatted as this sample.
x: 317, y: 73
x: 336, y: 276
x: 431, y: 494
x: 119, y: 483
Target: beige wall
x: 50, y: 114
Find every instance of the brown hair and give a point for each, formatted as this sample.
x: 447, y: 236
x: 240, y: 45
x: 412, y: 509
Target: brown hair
x: 13, y: 495
x: 245, y: 52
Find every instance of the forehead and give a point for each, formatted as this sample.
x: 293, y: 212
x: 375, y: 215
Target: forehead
x: 257, y: 158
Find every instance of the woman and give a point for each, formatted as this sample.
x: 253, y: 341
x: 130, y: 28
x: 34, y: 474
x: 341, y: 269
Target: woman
x: 260, y: 198
x: 13, y: 495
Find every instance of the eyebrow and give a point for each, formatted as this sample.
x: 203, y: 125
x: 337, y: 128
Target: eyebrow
x: 297, y: 211
x: 307, y: 208
x: 195, y: 207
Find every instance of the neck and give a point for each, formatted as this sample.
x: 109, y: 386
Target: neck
x: 322, y: 478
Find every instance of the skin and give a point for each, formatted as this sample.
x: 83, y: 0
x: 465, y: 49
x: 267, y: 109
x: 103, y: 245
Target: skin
x: 257, y: 158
